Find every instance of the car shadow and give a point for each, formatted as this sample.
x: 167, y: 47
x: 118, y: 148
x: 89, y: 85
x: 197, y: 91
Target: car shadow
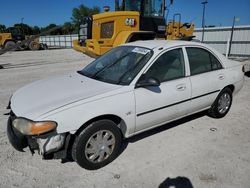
x: 159, y: 129
x: 165, y: 127
x: 247, y: 74
x: 178, y: 182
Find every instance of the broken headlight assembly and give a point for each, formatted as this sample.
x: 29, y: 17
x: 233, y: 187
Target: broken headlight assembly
x: 28, y: 127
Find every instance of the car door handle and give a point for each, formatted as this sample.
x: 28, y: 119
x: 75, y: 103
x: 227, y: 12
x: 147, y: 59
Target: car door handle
x: 181, y: 87
x: 221, y: 77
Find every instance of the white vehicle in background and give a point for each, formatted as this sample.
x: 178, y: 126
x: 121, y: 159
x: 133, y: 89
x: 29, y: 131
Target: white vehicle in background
x: 133, y: 88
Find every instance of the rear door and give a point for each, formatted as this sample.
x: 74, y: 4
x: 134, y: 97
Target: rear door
x: 206, y: 75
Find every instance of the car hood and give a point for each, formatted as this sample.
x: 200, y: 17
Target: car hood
x: 43, y: 96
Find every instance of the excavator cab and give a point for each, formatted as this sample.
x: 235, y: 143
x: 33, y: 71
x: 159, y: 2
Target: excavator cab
x: 152, y: 14
x: 16, y: 34
x: 155, y: 8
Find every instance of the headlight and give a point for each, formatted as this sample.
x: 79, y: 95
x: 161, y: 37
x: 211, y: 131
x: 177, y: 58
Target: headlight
x: 28, y: 127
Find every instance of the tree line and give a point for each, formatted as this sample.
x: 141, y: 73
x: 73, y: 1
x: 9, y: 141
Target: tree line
x: 72, y: 27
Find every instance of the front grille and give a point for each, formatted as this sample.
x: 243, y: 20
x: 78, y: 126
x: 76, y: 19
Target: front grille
x: 107, y: 30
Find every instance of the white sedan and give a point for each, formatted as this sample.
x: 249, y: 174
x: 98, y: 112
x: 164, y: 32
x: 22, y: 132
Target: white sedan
x: 135, y: 87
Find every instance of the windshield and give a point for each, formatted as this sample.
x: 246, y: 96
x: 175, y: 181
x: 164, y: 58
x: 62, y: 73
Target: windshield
x: 132, y: 5
x: 15, y: 31
x: 118, y: 66
x: 153, y: 8
x: 147, y: 7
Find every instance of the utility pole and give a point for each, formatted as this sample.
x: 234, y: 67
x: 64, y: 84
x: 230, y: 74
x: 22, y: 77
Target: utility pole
x: 21, y: 25
x: 232, y: 33
x: 203, y: 19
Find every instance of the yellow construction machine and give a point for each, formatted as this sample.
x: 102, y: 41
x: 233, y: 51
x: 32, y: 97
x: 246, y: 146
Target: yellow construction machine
x: 179, y: 31
x: 132, y: 20
x: 11, y: 36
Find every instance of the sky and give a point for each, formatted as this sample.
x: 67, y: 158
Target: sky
x: 43, y: 12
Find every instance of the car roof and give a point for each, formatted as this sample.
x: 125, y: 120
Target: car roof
x: 151, y: 44
x: 166, y: 44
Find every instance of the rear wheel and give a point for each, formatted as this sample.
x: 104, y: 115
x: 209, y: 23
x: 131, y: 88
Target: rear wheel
x: 33, y: 45
x: 222, y: 104
x: 97, y: 145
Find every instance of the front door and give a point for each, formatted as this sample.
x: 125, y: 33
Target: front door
x: 156, y: 105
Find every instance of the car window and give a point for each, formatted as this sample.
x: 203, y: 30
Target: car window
x: 168, y: 66
x: 215, y: 63
x: 201, y: 61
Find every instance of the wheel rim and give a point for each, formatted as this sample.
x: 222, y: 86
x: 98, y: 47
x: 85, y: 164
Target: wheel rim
x: 224, y: 103
x: 100, y: 146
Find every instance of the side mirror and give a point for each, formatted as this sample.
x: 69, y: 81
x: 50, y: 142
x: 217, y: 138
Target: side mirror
x: 148, y: 82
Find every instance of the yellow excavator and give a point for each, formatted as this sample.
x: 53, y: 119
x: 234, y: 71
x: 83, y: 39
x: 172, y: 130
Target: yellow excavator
x: 132, y: 20
x: 12, y: 36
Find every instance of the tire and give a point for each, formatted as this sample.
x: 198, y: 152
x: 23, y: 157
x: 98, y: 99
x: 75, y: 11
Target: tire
x: 10, y: 44
x: 33, y: 45
x: 22, y: 47
x: 92, y: 154
x: 44, y: 46
x: 222, y: 104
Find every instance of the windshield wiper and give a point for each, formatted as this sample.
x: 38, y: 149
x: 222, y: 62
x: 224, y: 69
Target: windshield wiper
x: 84, y: 74
x: 80, y: 72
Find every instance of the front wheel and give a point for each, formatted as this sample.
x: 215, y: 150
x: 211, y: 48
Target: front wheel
x: 222, y: 104
x: 97, y: 145
x: 10, y: 45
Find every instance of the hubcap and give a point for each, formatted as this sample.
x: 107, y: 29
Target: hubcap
x: 100, y: 146
x: 224, y: 103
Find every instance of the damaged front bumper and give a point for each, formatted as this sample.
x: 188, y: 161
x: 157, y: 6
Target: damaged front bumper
x: 50, y: 145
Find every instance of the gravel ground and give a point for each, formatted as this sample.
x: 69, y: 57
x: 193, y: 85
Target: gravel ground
x: 197, y: 151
